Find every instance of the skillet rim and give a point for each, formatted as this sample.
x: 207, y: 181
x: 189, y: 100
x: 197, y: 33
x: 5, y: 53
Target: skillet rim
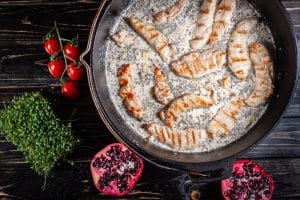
x: 163, y: 163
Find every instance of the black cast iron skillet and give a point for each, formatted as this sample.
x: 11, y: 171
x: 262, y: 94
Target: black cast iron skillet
x: 215, y: 164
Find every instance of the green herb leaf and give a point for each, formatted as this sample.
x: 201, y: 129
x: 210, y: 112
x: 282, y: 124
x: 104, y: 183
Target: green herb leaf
x: 31, y: 125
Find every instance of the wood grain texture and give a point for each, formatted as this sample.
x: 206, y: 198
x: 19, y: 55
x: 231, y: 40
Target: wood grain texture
x: 74, y: 182
x: 23, y: 68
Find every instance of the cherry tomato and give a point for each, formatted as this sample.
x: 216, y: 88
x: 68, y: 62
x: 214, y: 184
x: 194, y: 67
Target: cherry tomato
x: 74, y: 72
x: 52, y: 46
x: 56, y: 67
x: 70, y: 90
x: 72, y: 51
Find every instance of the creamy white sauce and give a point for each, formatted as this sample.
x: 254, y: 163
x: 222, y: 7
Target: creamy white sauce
x: 179, y: 31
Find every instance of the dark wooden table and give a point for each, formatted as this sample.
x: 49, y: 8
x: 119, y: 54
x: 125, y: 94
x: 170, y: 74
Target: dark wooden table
x: 23, y: 68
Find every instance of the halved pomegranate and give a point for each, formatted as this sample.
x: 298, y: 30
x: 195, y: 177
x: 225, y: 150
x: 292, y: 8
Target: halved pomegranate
x: 116, y: 170
x: 249, y: 181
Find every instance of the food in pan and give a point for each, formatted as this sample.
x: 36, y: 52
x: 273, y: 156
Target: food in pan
x: 225, y: 82
x: 191, y: 100
x: 170, y: 13
x: 195, y: 65
x: 263, y: 69
x: 213, y: 94
x: 222, y: 20
x: 127, y: 93
x: 226, y: 118
x: 204, y: 24
x: 155, y: 38
x: 178, y: 139
x: 120, y: 36
x: 161, y: 89
x: 238, y: 54
x: 183, y: 104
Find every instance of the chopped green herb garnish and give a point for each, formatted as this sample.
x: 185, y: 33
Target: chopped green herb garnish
x: 31, y: 125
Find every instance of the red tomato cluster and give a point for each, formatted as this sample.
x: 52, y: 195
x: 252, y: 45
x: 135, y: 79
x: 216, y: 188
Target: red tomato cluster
x: 64, y: 55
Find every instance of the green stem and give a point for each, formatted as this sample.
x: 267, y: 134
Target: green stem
x: 49, y: 35
x: 74, y: 61
x: 66, y: 40
x: 45, y: 182
x: 53, y: 29
x: 62, y: 50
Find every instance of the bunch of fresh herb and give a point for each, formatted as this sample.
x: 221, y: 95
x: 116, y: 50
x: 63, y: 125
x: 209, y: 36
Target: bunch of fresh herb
x: 31, y: 125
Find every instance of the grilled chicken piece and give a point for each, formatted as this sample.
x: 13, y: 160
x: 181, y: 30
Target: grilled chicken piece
x: 119, y: 37
x: 131, y: 101
x: 161, y: 89
x: 238, y: 54
x: 213, y: 94
x: 155, y: 38
x: 170, y: 13
x: 225, y: 120
x: 263, y: 68
x: 183, y: 104
x: 222, y: 20
x: 195, y: 65
x: 225, y: 82
x: 187, y: 139
x: 204, y: 24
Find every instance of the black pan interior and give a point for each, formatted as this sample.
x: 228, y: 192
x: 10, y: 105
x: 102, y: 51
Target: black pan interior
x: 286, y: 73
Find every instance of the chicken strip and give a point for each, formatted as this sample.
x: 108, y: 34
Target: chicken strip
x: 225, y: 120
x: 170, y: 13
x: 183, y: 104
x: 131, y: 101
x: 222, y: 20
x: 119, y: 37
x: 195, y: 65
x: 238, y: 54
x: 263, y: 68
x: 155, y: 39
x: 204, y: 24
x: 225, y: 83
x: 187, y: 139
x: 161, y: 89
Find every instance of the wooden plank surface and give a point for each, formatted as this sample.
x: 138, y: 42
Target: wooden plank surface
x: 23, y: 68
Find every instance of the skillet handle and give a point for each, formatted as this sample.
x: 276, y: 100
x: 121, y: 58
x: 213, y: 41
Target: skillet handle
x: 85, y: 55
x: 222, y: 172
